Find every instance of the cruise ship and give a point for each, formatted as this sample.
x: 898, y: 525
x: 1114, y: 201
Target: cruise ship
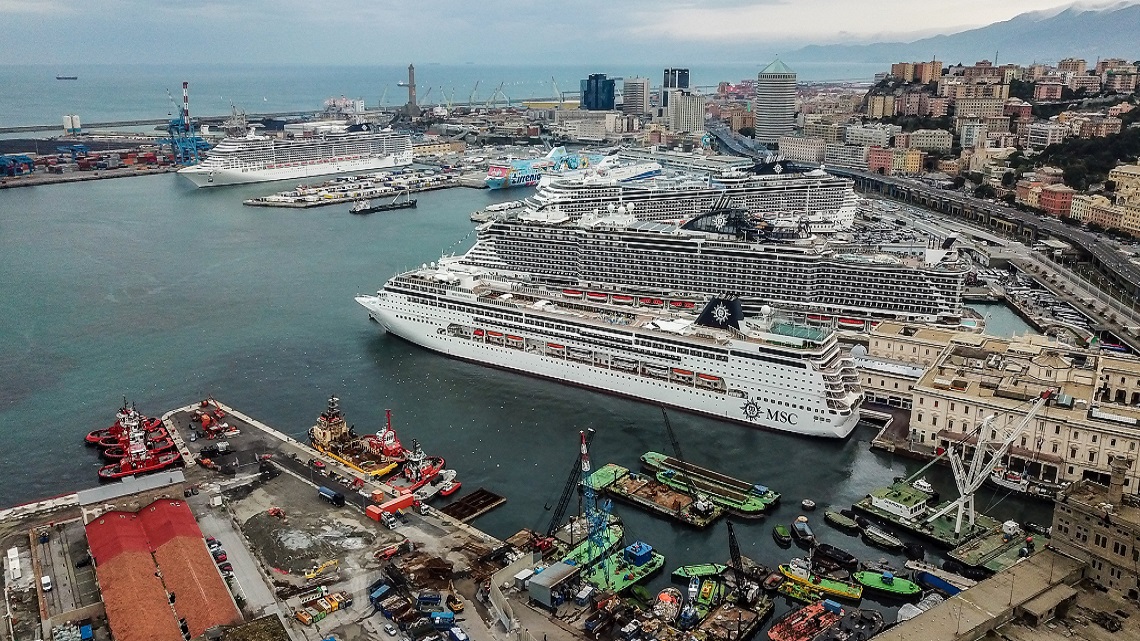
x: 778, y: 263
x: 256, y: 158
x: 768, y: 190
x: 767, y: 371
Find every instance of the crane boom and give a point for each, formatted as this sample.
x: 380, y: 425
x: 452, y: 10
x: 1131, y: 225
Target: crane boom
x: 737, y: 562
x: 568, y: 490
x: 969, y: 476
x: 700, y: 503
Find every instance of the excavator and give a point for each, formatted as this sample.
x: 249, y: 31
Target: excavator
x: 320, y: 571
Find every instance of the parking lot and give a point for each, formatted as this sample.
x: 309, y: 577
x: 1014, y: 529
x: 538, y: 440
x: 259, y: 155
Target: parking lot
x: 72, y: 587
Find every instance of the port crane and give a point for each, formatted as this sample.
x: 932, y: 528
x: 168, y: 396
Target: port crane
x: 383, y: 97
x: 558, y: 94
x: 498, y: 92
x: 471, y: 98
x: 546, y: 541
x: 701, y: 504
x: 969, y: 475
x: 597, y: 515
x: 737, y: 564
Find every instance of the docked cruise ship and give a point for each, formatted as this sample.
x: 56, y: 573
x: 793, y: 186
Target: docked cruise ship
x: 767, y: 263
x: 772, y: 191
x: 257, y: 158
x: 768, y: 371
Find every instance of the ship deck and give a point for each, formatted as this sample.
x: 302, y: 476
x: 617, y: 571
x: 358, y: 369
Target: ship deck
x: 729, y: 623
x: 990, y: 551
x: 940, y: 531
x: 617, y: 574
x: 648, y: 493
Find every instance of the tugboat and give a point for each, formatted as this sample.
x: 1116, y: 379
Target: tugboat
x: 366, y: 207
x: 807, y: 622
x: 156, y: 446
x: 139, y: 460
x: 888, y: 584
x: 800, y: 572
x: 419, y: 470
x: 127, y: 418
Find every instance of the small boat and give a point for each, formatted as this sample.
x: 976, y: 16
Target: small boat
x: 887, y: 583
x: 840, y: 522
x: 641, y: 593
x: 699, y: 570
x: 799, y: 592
x: 819, y: 318
x: 806, y: 623
x: 856, y: 625
x: 555, y: 346
x: 694, y: 588
x: 773, y: 581
x: 801, y: 531
x: 782, y: 535
x: 494, y: 334
x: 67, y: 77
x: 709, y: 377
x: 572, y: 293
x: 852, y: 323
x: 449, y: 488
x: 514, y: 339
x: 668, y: 605
x: 844, y: 558
x: 650, y: 301
x: 478, y: 332
x: 910, y: 610
x: 365, y: 206
x: 595, y: 295
x: 807, y: 504
x: 922, y: 485
x: 881, y: 565
x: 881, y: 538
x: 621, y: 299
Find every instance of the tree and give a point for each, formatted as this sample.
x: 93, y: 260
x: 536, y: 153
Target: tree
x: 1009, y: 179
x: 984, y: 191
x: 1077, y: 177
x: 1009, y: 199
x: 959, y: 182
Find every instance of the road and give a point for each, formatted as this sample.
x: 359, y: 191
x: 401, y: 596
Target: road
x: 258, y: 598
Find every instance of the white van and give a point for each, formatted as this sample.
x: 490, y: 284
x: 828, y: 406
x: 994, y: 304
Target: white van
x: 45, y: 583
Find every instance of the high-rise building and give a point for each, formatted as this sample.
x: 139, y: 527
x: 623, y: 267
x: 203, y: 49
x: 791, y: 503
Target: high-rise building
x: 673, y: 79
x: 686, y: 111
x: 775, y: 106
x: 635, y: 92
x: 598, y: 93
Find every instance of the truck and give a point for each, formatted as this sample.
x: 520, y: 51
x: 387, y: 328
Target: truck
x: 378, y: 595
x: 401, y: 502
x: 332, y: 496
x: 428, y: 599
x: 456, y: 633
x: 442, y: 620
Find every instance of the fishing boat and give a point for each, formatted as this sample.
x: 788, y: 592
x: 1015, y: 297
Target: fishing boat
x: 844, y: 558
x: 799, y: 592
x: 888, y: 584
x: 881, y: 538
x: 699, y: 570
x: 799, y: 571
x: 782, y: 535
x: 801, y: 531
x: 806, y: 623
x: 840, y: 522
x: 668, y: 604
x: 365, y: 206
x: 856, y: 625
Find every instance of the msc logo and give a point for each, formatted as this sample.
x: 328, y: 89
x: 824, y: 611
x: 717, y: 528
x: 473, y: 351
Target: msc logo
x: 781, y: 416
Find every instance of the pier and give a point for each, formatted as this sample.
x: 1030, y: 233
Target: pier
x: 343, y: 190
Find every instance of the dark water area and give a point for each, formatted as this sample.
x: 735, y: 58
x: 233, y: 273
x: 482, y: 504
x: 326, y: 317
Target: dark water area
x: 149, y: 288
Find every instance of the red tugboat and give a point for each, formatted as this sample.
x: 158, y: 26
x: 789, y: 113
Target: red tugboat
x: 807, y: 622
x: 139, y: 460
x: 419, y: 469
x: 156, y: 446
x: 126, y: 419
x: 385, y: 444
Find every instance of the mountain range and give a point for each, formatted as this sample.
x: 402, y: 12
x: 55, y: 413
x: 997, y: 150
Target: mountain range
x: 1043, y: 36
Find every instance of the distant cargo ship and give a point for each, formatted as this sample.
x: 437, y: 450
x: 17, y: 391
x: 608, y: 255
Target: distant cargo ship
x: 254, y: 158
x: 527, y: 172
x: 67, y: 77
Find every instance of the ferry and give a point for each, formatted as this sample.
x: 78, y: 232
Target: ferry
x: 527, y: 172
x: 773, y: 371
x: 257, y: 158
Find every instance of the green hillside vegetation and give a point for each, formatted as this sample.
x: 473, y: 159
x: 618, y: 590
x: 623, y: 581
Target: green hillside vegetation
x: 1086, y: 161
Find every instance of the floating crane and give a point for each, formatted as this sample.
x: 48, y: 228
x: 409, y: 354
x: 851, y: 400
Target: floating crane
x: 597, y: 515
x: 701, y: 504
x: 383, y: 97
x: 545, y: 542
x: 969, y: 476
x: 737, y: 564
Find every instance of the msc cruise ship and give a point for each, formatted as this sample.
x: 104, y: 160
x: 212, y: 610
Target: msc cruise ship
x: 725, y: 251
x: 767, y: 371
x: 256, y: 158
x: 772, y: 191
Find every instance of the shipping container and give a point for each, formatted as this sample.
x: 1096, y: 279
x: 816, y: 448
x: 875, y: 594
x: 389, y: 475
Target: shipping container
x: 401, y: 502
x: 442, y: 620
x: 373, y: 512
x: 377, y: 595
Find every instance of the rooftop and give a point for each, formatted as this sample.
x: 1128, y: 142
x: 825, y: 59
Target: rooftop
x: 777, y: 66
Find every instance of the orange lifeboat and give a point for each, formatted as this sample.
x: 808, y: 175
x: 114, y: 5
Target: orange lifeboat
x: 478, y: 332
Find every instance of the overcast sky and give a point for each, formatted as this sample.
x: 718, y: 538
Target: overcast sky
x: 483, y: 31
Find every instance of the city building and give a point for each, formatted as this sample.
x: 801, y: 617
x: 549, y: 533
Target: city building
x: 686, y: 111
x: 933, y: 106
x: 931, y: 140
x: 971, y: 133
x: 871, y: 134
x: 895, y: 161
x: 1100, y: 521
x: 1127, y: 180
x: 881, y: 106
x: 1120, y: 81
x: 979, y: 107
x: 1105, y: 64
x: 598, y: 93
x: 1073, y: 65
x: 1056, y: 199
x: 437, y: 147
x: 828, y: 131
x: 853, y: 156
x: 1090, y: 84
x: 673, y: 79
x: 1040, y: 135
x: 803, y: 149
x: 775, y: 105
x: 1018, y: 108
x: 1047, y: 90
x: 635, y: 96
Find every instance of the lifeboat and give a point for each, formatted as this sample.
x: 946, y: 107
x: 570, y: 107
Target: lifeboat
x: 493, y: 334
x: 818, y: 318
x: 595, y: 295
x: 852, y: 323
x: 644, y: 300
x: 677, y: 303
x: 688, y: 304
x: 514, y: 339
x: 555, y: 346
x: 573, y: 293
x: 682, y: 372
x: 622, y: 299
x: 478, y: 332
x: 709, y: 378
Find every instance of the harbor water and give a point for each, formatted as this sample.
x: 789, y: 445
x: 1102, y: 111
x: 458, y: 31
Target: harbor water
x: 151, y: 289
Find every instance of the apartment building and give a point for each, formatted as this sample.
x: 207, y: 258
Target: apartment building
x: 803, y: 149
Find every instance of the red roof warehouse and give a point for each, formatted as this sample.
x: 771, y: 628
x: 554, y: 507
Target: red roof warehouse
x: 141, y: 558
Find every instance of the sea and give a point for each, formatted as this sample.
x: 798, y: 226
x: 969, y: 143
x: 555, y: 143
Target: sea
x: 149, y: 289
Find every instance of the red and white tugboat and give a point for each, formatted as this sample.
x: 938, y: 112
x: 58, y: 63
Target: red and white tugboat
x: 139, y: 460
x: 386, y: 444
x: 127, y: 418
x: 419, y: 469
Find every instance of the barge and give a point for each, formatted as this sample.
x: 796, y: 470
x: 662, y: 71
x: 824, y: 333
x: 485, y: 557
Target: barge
x: 652, y: 495
x: 738, y: 497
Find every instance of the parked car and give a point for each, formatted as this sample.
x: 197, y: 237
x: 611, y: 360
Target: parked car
x: 220, y: 556
x: 83, y: 562
x: 390, y: 629
x: 225, y: 567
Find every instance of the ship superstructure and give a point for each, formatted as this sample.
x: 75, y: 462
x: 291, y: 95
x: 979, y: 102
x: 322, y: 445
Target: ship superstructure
x: 770, y: 371
x: 772, y: 191
x: 778, y: 264
x: 258, y: 158
x: 526, y: 172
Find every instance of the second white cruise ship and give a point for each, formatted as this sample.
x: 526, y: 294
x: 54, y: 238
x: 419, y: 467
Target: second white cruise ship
x: 767, y: 371
x: 257, y: 158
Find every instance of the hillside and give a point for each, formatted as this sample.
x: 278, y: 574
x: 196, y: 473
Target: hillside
x: 1036, y: 36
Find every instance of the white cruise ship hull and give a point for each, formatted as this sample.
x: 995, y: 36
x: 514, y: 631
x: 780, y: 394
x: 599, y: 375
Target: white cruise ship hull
x: 428, y: 328
x: 203, y: 175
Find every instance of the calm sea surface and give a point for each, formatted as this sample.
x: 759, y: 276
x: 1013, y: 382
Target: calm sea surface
x: 149, y: 288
